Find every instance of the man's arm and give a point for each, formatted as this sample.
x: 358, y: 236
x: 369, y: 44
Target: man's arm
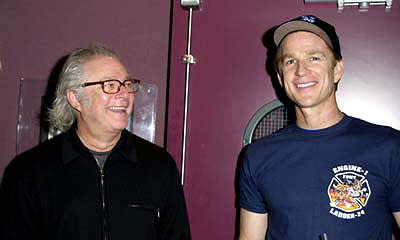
x: 397, y: 218
x: 253, y: 226
x: 174, y: 218
x: 18, y: 210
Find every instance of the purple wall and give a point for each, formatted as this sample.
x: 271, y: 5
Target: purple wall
x: 36, y: 34
x: 229, y: 84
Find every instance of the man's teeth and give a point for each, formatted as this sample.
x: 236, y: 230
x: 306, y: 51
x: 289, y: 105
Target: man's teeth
x: 304, y: 85
x: 117, y: 108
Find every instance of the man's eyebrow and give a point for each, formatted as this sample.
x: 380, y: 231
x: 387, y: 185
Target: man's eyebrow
x: 115, y: 78
x: 285, y: 56
x: 314, y: 52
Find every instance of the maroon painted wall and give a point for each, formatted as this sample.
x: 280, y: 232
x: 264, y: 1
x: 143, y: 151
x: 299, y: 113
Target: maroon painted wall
x: 229, y: 84
x: 34, y: 35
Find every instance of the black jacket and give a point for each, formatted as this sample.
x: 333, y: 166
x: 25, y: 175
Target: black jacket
x: 56, y: 191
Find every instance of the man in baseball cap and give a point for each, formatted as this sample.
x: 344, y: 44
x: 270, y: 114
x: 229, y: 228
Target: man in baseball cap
x: 329, y: 175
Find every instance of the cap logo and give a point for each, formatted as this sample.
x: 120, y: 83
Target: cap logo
x: 309, y: 19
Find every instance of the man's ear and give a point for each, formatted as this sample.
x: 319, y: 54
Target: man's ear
x: 73, y: 100
x: 280, y: 79
x: 338, y: 71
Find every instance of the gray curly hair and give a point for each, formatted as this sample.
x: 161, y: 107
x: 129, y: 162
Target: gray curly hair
x: 61, y: 115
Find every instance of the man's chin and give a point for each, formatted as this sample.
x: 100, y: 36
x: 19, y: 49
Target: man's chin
x: 119, y: 126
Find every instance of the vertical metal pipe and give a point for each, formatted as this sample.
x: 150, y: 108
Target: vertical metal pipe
x: 185, y: 116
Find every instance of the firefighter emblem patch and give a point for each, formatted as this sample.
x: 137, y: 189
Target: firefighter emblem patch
x: 348, y: 192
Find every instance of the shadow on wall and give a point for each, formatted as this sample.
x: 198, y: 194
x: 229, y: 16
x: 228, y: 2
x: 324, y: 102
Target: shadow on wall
x: 35, y: 97
x: 269, y: 44
x: 49, y: 96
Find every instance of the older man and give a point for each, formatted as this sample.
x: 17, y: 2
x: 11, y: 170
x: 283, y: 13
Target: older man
x: 329, y: 175
x: 96, y: 180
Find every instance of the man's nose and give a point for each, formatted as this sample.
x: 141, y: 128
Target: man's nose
x: 301, y: 68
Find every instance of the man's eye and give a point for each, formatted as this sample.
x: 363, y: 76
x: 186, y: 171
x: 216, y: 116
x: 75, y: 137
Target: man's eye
x: 110, y: 84
x: 128, y: 84
x: 290, y: 61
x: 313, y: 59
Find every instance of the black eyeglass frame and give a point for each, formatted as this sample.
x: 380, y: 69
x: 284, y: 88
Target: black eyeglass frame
x: 133, y: 81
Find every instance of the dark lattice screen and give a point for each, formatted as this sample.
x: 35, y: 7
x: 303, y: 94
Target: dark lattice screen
x: 271, y: 122
x: 268, y: 119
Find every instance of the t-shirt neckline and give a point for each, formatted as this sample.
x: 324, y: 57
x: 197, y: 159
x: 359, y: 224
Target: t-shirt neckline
x: 336, y: 128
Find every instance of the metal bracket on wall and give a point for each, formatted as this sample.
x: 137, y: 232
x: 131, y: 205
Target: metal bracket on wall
x: 187, y: 59
x: 363, y: 5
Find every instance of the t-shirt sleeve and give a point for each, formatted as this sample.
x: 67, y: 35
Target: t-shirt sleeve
x: 250, y: 196
x: 394, y: 198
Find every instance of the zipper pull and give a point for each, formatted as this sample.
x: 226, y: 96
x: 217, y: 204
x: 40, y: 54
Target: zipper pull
x: 158, y: 212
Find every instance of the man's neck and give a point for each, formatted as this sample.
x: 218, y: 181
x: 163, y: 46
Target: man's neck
x: 320, y: 118
x: 98, y: 142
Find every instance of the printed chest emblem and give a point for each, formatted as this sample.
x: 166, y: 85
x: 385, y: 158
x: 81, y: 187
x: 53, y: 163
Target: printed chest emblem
x: 348, y: 191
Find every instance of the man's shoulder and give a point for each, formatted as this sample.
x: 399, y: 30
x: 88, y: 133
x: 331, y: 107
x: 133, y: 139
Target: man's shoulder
x: 271, y: 148
x: 375, y: 130
x: 39, y: 157
x: 277, y: 139
x: 144, y: 145
x: 147, y: 151
x: 42, y: 150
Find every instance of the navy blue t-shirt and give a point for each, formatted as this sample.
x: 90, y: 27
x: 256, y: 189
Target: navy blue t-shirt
x: 343, y: 180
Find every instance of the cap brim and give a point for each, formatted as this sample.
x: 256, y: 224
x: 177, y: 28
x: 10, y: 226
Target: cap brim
x: 294, y: 26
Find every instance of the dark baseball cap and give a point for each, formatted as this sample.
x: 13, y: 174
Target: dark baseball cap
x: 311, y: 24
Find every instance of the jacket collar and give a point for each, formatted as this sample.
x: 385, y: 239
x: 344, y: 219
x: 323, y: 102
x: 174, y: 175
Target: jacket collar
x: 72, y: 148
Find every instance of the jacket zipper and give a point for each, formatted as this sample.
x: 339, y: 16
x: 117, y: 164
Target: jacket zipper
x: 103, y: 205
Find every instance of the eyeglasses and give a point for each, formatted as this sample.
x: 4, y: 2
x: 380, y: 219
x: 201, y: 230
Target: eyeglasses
x: 114, y: 86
